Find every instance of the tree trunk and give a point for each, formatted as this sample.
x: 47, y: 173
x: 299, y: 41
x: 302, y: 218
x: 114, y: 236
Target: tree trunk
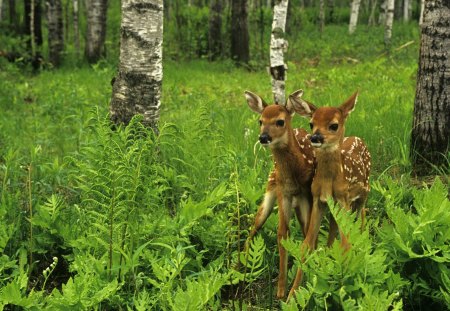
x: 215, y: 29
x: 76, y: 31
x: 388, y: 23
x: 371, y: 21
x: 1, y: 10
x: 96, y: 30
x: 240, y: 51
x: 422, y: 7
x: 33, y: 29
x: 55, y: 31
x: 406, y: 10
x: 137, y: 86
x: 431, y: 124
x: 354, y: 16
x: 321, y: 15
x: 278, y: 45
x: 382, y: 16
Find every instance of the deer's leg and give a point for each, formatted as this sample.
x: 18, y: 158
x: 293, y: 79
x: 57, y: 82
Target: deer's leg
x: 302, y: 208
x: 332, y: 233
x: 310, y: 240
x: 284, y: 209
x: 265, y: 208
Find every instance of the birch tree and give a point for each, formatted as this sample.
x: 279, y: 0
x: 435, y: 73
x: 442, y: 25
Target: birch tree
x: 422, y: 7
x: 431, y: 124
x: 354, y: 16
x: 76, y: 31
x: 96, y: 29
x: 390, y: 4
x: 137, y: 86
x: 278, y: 45
x: 55, y: 31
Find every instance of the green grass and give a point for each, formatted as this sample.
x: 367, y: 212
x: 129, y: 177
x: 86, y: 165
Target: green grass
x: 150, y: 222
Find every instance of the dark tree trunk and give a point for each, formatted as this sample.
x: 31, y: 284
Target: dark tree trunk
x: 13, y: 20
x: 96, y: 30
x: 33, y: 29
x: 55, y: 31
x: 431, y: 125
x: 240, y: 51
x: 215, y: 29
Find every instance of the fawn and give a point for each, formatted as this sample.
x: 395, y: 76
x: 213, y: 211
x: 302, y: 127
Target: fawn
x: 290, y: 182
x: 343, y: 167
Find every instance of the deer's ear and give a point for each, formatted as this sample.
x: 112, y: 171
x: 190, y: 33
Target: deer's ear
x: 299, y: 105
x: 255, y: 102
x: 349, y: 105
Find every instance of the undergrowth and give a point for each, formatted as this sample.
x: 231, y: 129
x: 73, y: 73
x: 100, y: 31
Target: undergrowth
x: 96, y: 218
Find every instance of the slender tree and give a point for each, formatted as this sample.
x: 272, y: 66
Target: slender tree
x: 215, y: 29
x: 137, y: 86
x: 278, y: 45
x: 76, y: 31
x: 390, y: 4
x: 33, y: 29
x: 240, y: 50
x: 354, y: 16
x: 431, y: 126
x: 96, y: 30
x: 422, y: 6
x: 1, y: 10
x: 55, y: 31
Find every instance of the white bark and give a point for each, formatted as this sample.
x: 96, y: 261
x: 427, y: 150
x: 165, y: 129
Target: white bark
x: 137, y: 87
x: 422, y: 7
x: 354, y: 16
x: 278, y: 45
x: 406, y: 10
x: 382, y: 16
x: 389, y: 20
x: 1, y: 10
x: 76, y: 31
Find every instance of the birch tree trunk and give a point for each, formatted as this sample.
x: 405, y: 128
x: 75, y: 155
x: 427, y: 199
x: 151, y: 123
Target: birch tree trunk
x: 55, y: 31
x: 96, y: 29
x: 76, y: 31
x: 240, y: 50
x: 321, y: 15
x: 137, y: 86
x: 382, y: 16
x: 1, y: 10
x: 354, y: 16
x: 388, y: 23
x: 33, y: 28
x: 278, y: 45
x: 406, y: 10
x: 422, y: 7
x: 431, y: 124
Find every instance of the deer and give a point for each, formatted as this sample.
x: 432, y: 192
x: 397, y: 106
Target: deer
x: 342, y: 168
x: 290, y: 181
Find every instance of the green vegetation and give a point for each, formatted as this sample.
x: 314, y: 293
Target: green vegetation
x: 95, y: 218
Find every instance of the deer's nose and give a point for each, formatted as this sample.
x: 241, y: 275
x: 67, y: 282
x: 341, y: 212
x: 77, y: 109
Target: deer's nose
x: 317, y: 138
x: 265, y: 138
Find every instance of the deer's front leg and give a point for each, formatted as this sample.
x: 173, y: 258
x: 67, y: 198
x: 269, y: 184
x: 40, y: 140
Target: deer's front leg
x: 284, y: 210
x: 310, y: 241
x: 266, y: 206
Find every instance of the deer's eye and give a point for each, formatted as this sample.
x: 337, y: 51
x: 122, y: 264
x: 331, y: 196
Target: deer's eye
x: 280, y: 123
x: 334, y: 127
x: 260, y: 122
x: 311, y: 125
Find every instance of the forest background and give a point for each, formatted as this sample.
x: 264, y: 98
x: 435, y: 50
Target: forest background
x: 101, y: 218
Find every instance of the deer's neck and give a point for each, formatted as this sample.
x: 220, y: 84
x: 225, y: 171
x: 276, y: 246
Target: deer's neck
x: 329, y: 164
x: 289, y: 159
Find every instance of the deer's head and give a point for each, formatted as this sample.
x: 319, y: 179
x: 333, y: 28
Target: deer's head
x: 327, y: 123
x: 275, y: 120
